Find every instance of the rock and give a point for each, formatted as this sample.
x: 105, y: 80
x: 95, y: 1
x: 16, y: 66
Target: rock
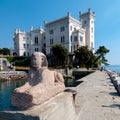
x: 41, y: 85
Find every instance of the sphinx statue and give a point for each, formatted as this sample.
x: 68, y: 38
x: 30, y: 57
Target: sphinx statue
x: 42, y: 84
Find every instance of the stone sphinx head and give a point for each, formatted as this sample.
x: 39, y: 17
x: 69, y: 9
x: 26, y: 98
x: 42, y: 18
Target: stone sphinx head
x: 38, y: 61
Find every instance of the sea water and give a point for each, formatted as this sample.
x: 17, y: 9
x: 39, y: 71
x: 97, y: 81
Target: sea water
x: 6, y: 90
x: 115, y: 68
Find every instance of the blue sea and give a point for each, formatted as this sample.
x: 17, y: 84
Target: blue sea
x: 6, y: 89
x: 115, y: 68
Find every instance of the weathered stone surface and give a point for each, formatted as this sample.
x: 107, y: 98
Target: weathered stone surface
x: 60, y: 107
x: 42, y: 84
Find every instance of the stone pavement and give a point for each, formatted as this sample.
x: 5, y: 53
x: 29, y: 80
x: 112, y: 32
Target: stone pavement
x: 97, y: 98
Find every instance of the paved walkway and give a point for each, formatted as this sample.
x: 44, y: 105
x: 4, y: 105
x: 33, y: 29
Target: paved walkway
x: 97, y: 98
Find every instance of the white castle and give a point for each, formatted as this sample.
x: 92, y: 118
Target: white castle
x: 68, y: 31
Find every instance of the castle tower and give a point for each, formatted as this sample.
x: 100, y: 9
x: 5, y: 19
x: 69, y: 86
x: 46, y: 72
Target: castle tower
x: 87, y: 20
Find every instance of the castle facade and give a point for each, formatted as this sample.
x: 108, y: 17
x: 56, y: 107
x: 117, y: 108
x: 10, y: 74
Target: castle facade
x: 68, y: 31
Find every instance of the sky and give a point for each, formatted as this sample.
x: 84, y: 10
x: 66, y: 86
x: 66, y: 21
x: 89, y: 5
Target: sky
x: 23, y: 14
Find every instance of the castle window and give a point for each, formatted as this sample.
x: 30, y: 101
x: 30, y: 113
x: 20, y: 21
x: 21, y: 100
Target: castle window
x: 71, y: 28
x: 44, y: 45
x: 28, y: 54
x: 27, y: 46
x: 74, y: 29
x: 62, y: 29
x: 75, y: 38
x: 85, y: 22
x: 51, y: 31
x: 71, y: 38
x: 62, y: 39
x: 36, y: 40
x: 81, y: 39
x: 36, y: 49
x: 74, y: 47
x: 24, y: 54
x: 23, y: 45
x: 51, y: 41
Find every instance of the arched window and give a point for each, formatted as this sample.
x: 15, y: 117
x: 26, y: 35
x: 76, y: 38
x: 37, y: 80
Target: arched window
x: 24, y: 54
x: 14, y: 54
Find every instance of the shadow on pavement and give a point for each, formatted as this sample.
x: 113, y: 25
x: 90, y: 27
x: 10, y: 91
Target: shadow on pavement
x: 114, y: 93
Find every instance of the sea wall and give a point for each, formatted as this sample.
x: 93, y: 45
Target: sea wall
x: 115, y: 78
x: 60, y: 107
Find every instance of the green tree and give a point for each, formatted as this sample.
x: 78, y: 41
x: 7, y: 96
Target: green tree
x: 59, y: 54
x: 5, y: 51
x: 84, y: 57
x: 101, y: 52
